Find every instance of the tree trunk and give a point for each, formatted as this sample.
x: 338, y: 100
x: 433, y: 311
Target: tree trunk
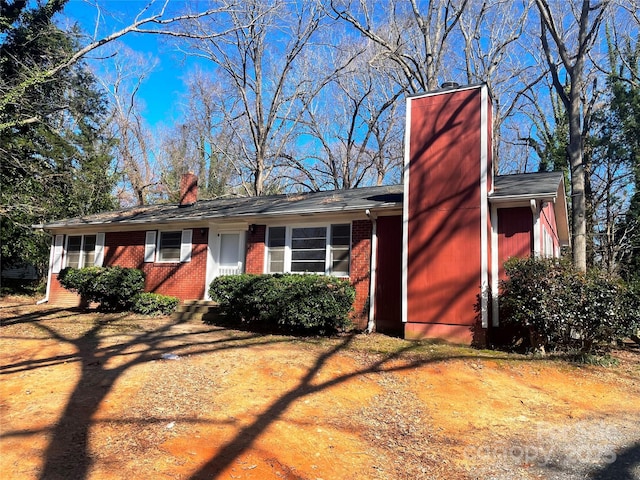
x: 574, y: 63
x: 578, y: 198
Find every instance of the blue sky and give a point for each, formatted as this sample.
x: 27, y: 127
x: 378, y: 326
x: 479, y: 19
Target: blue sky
x: 162, y: 87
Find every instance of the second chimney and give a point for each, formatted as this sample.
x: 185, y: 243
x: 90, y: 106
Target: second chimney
x: 188, y: 189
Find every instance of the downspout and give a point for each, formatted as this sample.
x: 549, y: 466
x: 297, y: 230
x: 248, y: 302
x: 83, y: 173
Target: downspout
x: 535, y: 213
x: 371, y: 325
x: 51, y: 250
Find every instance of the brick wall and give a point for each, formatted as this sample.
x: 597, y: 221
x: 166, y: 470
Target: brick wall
x: 183, y: 280
x: 360, y: 263
x: 126, y: 249
x: 256, y: 249
x: 187, y: 280
x: 360, y: 269
x: 62, y: 297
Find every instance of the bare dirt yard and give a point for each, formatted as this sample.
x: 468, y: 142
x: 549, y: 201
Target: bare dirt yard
x: 114, y: 396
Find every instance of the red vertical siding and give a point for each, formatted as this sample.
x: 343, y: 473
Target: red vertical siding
x: 256, y: 250
x: 515, y: 235
x: 388, y: 299
x: 444, y: 212
x: 360, y: 269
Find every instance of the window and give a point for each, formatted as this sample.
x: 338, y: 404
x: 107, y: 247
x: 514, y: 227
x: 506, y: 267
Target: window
x: 89, y: 250
x: 81, y: 251
x: 311, y: 249
x: 169, y: 246
x: 308, y: 249
x: 74, y: 247
x: 340, y: 249
x: 276, y: 245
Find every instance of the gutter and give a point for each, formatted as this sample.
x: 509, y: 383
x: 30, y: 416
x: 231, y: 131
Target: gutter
x: 310, y: 211
x: 551, y: 197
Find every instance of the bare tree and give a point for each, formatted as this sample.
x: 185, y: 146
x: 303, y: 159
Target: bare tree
x: 258, y: 67
x: 155, y: 18
x: 458, y: 40
x: 567, y: 49
x: 202, y: 142
x: 132, y: 136
x: 491, y: 32
x: 358, y: 140
x: 416, y: 41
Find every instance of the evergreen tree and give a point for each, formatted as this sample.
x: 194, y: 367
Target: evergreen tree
x: 625, y: 107
x: 614, y: 154
x: 56, y: 159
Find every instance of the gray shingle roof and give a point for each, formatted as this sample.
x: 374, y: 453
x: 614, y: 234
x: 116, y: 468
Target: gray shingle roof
x: 333, y: 201
x: 529, y: 185
x: 524, y: 185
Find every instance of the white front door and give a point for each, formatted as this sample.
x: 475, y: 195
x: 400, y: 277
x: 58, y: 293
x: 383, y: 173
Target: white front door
x: 229, y: 256
x: 226, y: 253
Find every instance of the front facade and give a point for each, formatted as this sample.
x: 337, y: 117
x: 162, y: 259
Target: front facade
x: 425, y: 257
x: 182, y: 248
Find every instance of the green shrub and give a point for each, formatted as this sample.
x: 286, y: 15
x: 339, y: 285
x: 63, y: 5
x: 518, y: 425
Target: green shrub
x: 601, y: 317
x: 231, y: 292
x: 631, y: 308
x: 561, y: 308
x: 286, y: 302
x: 114, y: 288
x: 154, y: 304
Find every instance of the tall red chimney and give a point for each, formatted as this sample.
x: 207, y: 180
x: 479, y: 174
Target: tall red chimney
x: 447, y: 229
x: 188, y: 189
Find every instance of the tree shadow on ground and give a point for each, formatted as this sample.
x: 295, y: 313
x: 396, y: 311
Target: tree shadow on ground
x: 68, y: 454
x: 625, y: 467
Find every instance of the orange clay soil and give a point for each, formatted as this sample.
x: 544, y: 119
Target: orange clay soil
x: 97, y: 396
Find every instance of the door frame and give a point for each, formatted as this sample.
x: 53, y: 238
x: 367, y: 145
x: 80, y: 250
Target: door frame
x: 213, y: 250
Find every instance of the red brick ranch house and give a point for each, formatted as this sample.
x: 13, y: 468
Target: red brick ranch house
x: 425, y: 257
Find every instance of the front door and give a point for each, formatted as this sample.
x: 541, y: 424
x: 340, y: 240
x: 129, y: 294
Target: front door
x: 229, y: 258
x: 226, y: 253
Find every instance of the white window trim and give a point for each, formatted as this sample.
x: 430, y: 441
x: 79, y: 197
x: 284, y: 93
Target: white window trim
x: 186, y: 246
x: 57, y: 254
x: 98, y: 252
x: 288, y: 250
x: 150, y: 246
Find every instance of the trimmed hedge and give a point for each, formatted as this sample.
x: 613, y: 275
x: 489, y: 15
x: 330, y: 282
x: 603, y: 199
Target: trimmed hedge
x: 308, y: 304
x: 559, y: 308
x: 153, y: 304
x: 112, y: 287
x: 116, y: 288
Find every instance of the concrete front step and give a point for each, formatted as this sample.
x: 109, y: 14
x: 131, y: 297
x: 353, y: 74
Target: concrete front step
x: 196, y: 311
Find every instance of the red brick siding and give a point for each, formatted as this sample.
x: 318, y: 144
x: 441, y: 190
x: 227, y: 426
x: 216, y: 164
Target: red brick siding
x: 360, y: 263
x: 254, y: 262
x: 183, y: 280
x: 188, y: 189
x: 126, y: 249
x: 360, y: 270
x: 60, y: 296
